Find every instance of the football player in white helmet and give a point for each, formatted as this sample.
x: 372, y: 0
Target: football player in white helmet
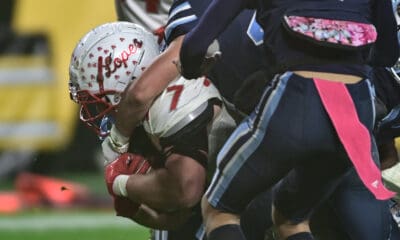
x: 181, y: 122
x: 110, y: 51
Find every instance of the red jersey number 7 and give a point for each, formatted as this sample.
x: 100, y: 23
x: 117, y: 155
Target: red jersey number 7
x: 177, y: 89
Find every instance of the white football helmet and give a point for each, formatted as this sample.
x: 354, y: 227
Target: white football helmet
x: 104, y: 62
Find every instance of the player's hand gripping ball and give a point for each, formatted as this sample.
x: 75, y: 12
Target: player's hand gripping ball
x: 124, y: 207
x: 125, y: 164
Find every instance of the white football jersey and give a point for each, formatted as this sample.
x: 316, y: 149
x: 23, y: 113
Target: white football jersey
x: 179, y: 104
x: 151, y: 14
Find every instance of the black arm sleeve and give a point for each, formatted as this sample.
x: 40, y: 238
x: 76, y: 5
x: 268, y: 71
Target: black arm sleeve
x: 216, y: 18
x: 385, y: 51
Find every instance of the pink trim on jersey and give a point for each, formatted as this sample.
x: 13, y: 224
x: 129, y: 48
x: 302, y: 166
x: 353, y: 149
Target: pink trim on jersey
x: 352, y: 133
x: 333, y: 31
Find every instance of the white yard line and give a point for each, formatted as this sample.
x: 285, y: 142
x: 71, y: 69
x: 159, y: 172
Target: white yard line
x: 79, y: 221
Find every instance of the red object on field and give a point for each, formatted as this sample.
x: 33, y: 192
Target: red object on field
x: 10, y: 202
x: 36, y: 189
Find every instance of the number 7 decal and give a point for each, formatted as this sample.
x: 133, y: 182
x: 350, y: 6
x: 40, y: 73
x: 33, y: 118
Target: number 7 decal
x: 175, y: 98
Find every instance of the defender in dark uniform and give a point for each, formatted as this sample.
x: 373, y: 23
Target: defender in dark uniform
x: 298, y: 134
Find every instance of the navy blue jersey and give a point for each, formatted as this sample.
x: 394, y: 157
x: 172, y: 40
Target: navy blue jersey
x: 240, y: 44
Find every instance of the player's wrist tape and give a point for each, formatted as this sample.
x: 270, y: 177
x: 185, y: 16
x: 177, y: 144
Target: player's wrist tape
x: 119, y: 185
x: 118, y: 142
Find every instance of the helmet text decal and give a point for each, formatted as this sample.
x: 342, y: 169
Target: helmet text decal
x: 110, y: 65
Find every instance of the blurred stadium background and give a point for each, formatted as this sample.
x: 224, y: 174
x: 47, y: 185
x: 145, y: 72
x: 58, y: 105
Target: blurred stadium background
x: 51, y: 184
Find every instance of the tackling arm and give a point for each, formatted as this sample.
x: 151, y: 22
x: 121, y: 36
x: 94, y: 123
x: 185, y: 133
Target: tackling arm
x: 161, y: 220
x: 138, y: 97
x: 179, y: 185
x: 216, y: 18
x: 148, y: 217
x: 171, y: 191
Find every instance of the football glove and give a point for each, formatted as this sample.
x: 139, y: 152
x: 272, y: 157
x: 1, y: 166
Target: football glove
x: 117, y: 172
x: 114, y: 145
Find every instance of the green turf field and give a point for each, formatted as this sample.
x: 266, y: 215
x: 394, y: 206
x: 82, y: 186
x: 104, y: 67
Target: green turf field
x: 84, y: 223
x: 81, y: 223
x: 79, y: 234
x: 69, y: 225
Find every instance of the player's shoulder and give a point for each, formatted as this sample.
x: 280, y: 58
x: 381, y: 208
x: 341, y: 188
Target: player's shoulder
x: 179, y: 104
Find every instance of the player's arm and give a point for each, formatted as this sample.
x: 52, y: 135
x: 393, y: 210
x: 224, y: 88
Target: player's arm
x: 149, y: 217
x: 181, y: 181
x: 385, y: 51
x: 129, y: 165
x: 179, y: 184
x: 161, y: 220
x: 215, y: 20
x: 138, y: 97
